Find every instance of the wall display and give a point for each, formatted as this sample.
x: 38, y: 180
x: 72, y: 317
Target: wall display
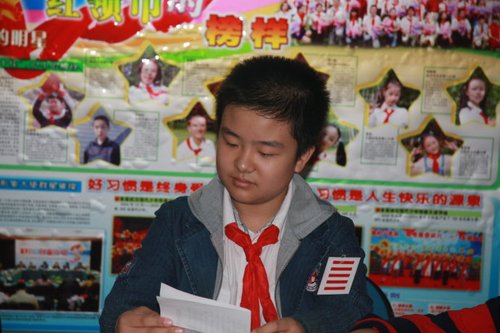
x: 107, y: 111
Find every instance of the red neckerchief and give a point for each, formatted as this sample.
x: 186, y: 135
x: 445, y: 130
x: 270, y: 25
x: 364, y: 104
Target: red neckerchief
x: 52, y: 120
x: 195, y: 151
x: 255, y: 283
x: 388, y: 114
x: 435, y: 163
x: 152, y: 93
x: 485, y: 117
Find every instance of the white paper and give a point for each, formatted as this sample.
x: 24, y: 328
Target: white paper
x: 198, y: 314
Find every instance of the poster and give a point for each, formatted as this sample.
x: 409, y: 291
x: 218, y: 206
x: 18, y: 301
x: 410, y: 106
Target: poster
x: 107, y: 111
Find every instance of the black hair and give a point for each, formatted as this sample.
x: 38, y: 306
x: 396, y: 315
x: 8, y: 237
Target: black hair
x: 142, y: 62
x: 103, y: 118
x: 278, y: 88
x: 340, y: 155
x: 441, y: 14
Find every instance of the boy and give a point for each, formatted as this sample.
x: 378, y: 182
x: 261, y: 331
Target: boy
x: 58, y: 111
x: 196, y: 144
x: 102, y: 148
x: 270, y: 111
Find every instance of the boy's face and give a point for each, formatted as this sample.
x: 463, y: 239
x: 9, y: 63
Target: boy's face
x: 55, y: 105
x: 100, y: 129
x: 256, y: 158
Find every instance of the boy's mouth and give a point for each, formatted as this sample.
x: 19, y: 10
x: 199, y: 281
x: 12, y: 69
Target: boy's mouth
x: 241, y: 182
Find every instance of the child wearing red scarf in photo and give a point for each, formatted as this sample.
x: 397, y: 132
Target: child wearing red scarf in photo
x: 473, y: 102
x: 196, y: 145
x: 387, y: 111
x: 432, y: 160
x: 392, y: 26
x: 52, y: 107
x: 150, y: 86
x: 494, y: 33
x: 354, y: 30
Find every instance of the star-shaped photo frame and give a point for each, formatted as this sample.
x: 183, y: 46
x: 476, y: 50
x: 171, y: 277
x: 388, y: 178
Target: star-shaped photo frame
x: 388, y: 100
x: 90, y: 148
x: 52, y: 102
x: 194, y: 136
x: 475, y: 99
x: 148, y: 77
x: 430, y: 149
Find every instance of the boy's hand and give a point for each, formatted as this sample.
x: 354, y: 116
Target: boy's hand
x: 285, y: 325
x: 145, y: 320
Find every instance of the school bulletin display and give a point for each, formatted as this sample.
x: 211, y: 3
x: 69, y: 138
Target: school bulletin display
x: 107, y: 111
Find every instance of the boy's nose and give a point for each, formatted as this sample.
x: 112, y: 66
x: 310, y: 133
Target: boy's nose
x: 244, y: 162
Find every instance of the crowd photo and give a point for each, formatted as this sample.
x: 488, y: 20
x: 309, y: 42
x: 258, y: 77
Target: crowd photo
x: 391, y: 23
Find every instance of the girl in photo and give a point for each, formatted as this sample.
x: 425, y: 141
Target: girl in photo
x: 432, y: 159
x: 444, y: 39
x: 473, y: 102
x: 150, y: 86
x: 331, y: 147
x: 387, y: 111
x: 429, y: 31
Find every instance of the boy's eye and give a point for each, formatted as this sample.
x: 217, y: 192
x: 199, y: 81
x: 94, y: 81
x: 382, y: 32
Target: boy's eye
x: 266, y: 154
x: 230, y: 144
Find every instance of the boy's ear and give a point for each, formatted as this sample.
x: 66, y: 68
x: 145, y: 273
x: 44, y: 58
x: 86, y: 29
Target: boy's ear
x: 302, y: 160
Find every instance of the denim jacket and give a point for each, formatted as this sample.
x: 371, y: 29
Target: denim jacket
x: 184, y: 249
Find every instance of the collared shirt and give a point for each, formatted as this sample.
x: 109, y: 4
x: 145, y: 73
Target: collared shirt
x: 470, y: 113
x: 234, y: 256
x: 108, y: 151
x: 399, y: 117
x: 188, y: 149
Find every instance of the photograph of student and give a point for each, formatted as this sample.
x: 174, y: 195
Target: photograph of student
x: 386, y: 110
x: 461, y: 29
x: 444, y: 39
x: 196, y: 145
x: 411, y: 28
x: 269, y: 112
x: 473, y: 102
x: 480, y: 34
x: 432, y: 154
x: 429, y: 31
x: 56, y: 110
x: 494, y: 33
x: 102, y: 148
x: 150, y: 86
x: 372, y: 28
x: 331, y: 147
x: 354, y: 29
x: 391, y: 25
x: 326, y: 22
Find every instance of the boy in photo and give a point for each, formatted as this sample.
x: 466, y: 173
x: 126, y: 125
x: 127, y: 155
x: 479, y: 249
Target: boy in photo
x: 269, y: 114
x: 102, y: 148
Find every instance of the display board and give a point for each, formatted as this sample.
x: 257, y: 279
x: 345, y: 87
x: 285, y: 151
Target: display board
x: 107, y: 111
